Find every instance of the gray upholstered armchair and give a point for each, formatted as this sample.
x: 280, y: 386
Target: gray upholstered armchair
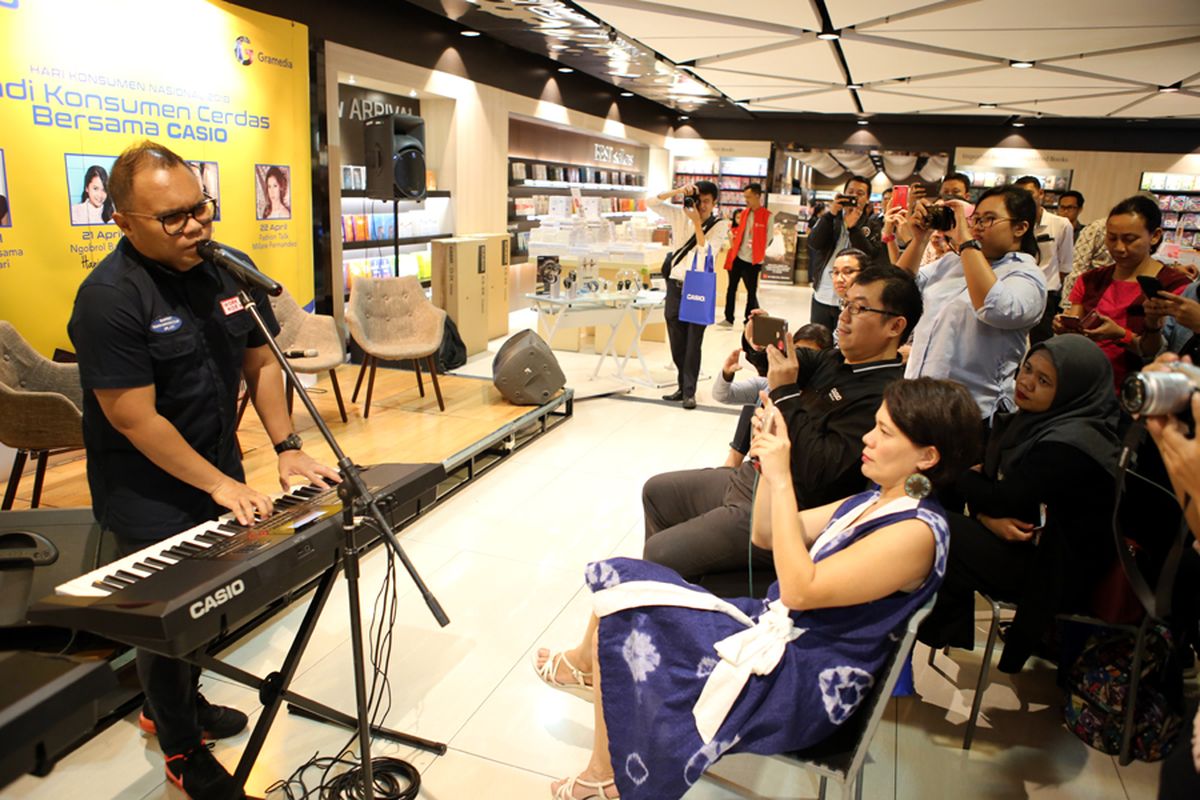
x: 392, y: 319
x: 40, y: 409
x: 299, y: 330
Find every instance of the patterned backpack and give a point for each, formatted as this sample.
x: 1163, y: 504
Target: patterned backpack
x: 1099, y: 689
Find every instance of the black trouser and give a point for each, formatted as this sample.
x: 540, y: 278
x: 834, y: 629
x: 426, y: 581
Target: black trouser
x: 697, y: 525
x: 685, y: 338
x: 979, y: 561
x: 747, y: 273
x: 1044, y: 329
x: 170, y: 685
x: 823, y: 314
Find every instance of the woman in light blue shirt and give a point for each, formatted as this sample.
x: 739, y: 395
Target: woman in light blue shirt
x: 980, y: 301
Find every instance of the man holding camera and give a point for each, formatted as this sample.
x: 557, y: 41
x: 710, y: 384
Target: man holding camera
x: 696, y: 227
x: 851, y: 222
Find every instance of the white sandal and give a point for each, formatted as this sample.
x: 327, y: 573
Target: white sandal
x: 566, y: 790
x: 549, y: 669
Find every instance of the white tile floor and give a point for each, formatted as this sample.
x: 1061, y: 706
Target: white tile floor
x: 505, y: 559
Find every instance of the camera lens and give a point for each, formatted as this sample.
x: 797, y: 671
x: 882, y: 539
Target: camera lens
x: 689, y: 201
x: 940, y: 218
x: 1155, y: 393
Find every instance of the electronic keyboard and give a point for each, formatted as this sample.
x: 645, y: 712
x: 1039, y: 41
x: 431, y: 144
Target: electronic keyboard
x: 177, y: 595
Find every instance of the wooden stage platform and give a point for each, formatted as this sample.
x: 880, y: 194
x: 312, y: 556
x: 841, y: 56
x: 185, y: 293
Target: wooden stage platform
x: 477, y: 430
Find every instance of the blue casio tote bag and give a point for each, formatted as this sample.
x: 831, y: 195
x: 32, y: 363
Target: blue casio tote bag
x: 699, y: 303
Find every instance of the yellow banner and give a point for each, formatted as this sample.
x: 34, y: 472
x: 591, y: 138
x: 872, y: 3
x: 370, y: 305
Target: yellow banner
x: 81, y: 80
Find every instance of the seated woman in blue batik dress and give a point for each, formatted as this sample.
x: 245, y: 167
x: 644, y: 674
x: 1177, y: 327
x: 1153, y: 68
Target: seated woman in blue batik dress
x: 689, y: 677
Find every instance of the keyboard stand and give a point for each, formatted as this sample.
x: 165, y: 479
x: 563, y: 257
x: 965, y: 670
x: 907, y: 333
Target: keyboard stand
x: 273, y: 690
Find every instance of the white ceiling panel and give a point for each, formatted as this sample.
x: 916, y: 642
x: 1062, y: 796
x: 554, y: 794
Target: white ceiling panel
x: 875, y: 102
x: 736, y: 80
x: 651, y: 20
x: 688, y: 48
x: 1000, y: 96
x: 1005, y: 77
x: 1164, y: 105
x: 1039, y: 44
x: 835, y: 102
x: 877, y: 62
x: 778, y: 12
x: 843, y: 13
x: 812, y: 60
x: 983, y: 16
x: 1085, y: 107
x: 1158, y: 65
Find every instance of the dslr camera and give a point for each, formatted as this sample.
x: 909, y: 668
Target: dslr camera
x: 940, y: 218
x: 689, y: 201
x: 1156, y: 393
x: 847, y: 200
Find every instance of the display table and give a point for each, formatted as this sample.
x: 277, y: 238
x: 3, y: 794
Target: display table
x: 613, y: 310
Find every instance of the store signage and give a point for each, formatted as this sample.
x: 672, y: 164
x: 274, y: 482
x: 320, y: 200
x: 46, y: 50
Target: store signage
x: 607, y: 154
x: 1017, y: 157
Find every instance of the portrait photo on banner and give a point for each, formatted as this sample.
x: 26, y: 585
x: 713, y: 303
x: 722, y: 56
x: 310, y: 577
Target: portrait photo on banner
x: 87, y: 189
x: 5, y: 209
x: 273, y: 191
x: 210, y: 181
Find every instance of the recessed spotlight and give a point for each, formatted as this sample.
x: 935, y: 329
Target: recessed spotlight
x: 863, y: 122
x: 853, y: 85
x: 565, y: 70
x: 412, y: 92
x: 683, y: 117
x: 351, y: 80
x: 626, y: 94
x: 1018, y: 124
x: 470, y: 34
x: 828, y: 34
x: 1174, y: 87
x: 987, y: 105
x: 1020, y: 64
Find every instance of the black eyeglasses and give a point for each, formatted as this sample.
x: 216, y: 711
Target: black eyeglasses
x: 854, y: 309
x: 174, y: 222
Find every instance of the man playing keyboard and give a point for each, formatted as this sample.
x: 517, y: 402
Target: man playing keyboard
x: 163, y: 343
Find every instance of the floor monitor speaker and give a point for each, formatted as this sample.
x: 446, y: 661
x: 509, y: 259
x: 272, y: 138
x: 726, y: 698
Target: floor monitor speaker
x: 526, y: 371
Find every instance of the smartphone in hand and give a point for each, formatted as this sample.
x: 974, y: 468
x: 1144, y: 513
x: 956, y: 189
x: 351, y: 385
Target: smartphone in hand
x: 1151, y: 285
x: 899, y: 197
x: 768, y: 331
x: 1070, y: 323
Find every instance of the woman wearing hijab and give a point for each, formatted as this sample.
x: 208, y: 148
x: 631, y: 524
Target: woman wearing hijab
x: 1039, y: 530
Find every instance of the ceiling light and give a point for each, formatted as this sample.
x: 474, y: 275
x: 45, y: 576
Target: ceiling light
x: 469, y: 34
x: 351, y: 80
x: 829, y: 34
x: 987, y: 105
x: 1018, y: 124
x: 412, y: 92
x: 853, y: 85
x: 1174, y: 87
x: 1020, y: 64
x: 684, y: 117
x: 863, y: 122
x: 626, y: 94
x: 565, y: 70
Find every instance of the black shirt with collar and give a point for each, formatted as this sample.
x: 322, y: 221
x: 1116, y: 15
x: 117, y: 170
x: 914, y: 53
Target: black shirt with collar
x: 139, y: 323
x: 828, y: 410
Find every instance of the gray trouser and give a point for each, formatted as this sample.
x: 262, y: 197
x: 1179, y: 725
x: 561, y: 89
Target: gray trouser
x: 699, y: 525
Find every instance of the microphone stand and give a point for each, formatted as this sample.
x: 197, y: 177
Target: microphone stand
x: 354, y: 493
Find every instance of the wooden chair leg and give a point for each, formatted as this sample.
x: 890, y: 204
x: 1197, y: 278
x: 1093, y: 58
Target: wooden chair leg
x: 242, y: 407
x: 417, y: 369
x: 358, y: 384
x: 433, y: 374
x: 291, y: 394
x: 370, y: 387
x: 39, y: 477
x: 14, y: 479
x: 337, y: 392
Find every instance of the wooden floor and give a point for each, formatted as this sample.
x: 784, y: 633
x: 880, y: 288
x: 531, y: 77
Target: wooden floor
x: 403, y: 427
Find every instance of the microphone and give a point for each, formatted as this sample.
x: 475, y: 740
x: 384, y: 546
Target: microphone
x: 238, y: 266
x: 309, y: 353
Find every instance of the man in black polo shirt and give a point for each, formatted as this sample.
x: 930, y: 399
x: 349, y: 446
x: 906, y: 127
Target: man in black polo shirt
x: 698, y: 521
x: 163, y: 343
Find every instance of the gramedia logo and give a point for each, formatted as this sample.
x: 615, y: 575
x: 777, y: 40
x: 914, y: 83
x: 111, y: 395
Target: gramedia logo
x: 242, y: 51
x: 10, y: 3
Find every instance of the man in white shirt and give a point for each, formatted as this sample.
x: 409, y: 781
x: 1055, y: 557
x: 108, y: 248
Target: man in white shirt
x: 1056, y: 244
x: 696, y: 227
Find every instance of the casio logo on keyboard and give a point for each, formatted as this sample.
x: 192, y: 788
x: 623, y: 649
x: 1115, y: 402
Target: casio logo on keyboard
x: 221, y: 596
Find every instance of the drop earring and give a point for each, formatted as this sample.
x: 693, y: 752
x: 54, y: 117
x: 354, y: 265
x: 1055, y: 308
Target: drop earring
x: 917, y: 486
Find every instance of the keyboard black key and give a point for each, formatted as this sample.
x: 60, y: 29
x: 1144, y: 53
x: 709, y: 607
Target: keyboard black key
x: 231, y: 527
x: 146, y: 566
x: 209, y: 536
x: 157, y: 562
x: 189, y: 548
x: 176, y: 551
x: 118, y: 580
x: 127, y: 575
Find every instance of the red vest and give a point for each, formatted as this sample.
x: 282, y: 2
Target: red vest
x: 758, y: 236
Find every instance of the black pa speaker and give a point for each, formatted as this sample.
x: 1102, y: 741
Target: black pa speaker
x: 395, y: 150
x: 41, y: 548
x: 526, y: 371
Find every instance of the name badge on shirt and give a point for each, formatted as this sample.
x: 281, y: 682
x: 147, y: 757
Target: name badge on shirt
x: 1045, y: 237
x: 167, y: 324
x: 232, y: 305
